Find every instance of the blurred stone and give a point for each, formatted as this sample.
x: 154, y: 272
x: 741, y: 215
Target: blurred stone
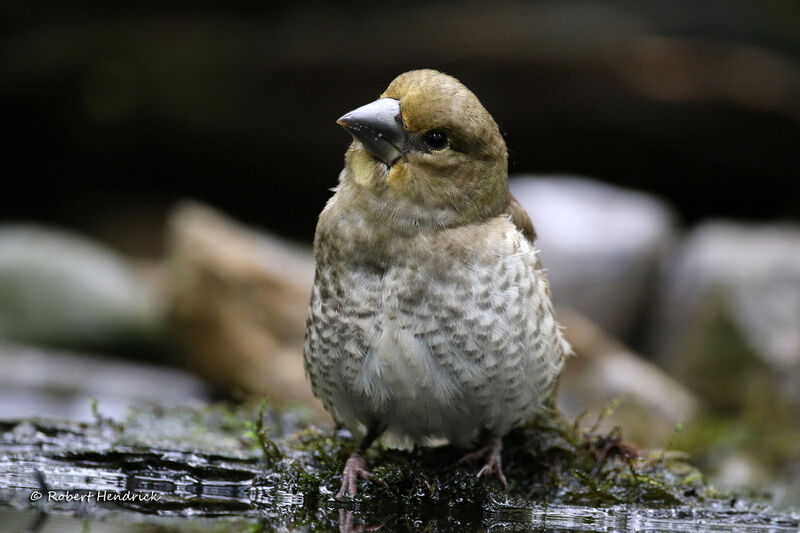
x: 729, y: 313
x: 651, y: 404
x: 239, y: 302
x: 59, y: 288
x: 39, y: 382
x: 740, y: 470
x: 600, y: 244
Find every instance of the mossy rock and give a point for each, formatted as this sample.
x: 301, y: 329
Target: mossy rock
x: 548, y: 460
x: 274, y: 470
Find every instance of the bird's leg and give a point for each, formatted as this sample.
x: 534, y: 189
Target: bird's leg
x: 491, y: 451
x: 356, y: 466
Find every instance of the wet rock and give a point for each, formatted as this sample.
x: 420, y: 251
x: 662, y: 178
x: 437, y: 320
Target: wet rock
x: 224, y: 460
x: 238, y: 305
x: 62, y: 289
x: 729, y: 313
x: 600, y: 244
x: 641, y: 399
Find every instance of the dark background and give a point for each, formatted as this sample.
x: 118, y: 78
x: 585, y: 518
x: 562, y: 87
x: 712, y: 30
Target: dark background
x: 113, y: 111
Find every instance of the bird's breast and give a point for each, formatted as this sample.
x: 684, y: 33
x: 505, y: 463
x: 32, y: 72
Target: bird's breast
x: 447, y: 337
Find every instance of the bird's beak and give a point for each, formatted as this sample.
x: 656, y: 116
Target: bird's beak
x: 379, y: 127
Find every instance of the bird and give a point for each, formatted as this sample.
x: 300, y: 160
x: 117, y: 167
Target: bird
x: 430, y: 317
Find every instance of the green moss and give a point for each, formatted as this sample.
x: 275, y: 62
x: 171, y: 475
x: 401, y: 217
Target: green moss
x: 716, y: 362
x: 765, y: 428
x: 258, y: 432
x: 550, y: 459
x: 750, y: 414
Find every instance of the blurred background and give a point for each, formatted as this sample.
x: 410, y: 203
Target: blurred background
x: 164, y: 165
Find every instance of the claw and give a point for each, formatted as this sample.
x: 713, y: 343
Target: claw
x: 492, y: 452
x: 354, y: 468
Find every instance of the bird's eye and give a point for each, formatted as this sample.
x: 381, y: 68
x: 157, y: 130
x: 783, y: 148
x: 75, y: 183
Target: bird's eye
x: 434, y: 140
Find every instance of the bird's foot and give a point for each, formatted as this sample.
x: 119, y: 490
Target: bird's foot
x: 492, y: 454
x: 354, y: 468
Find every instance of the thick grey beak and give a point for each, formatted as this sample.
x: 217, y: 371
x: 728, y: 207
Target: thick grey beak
x: 379, y: 127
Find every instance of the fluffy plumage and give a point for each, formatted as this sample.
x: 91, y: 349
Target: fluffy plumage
x: 430, y: 315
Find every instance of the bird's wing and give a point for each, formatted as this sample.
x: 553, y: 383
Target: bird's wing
x: 520, y: 218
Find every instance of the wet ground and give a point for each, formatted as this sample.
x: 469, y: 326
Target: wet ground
x: 223, y: 468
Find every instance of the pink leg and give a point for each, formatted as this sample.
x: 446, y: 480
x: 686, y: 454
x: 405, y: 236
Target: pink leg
x: 354, y: 468
x: 492, y: 453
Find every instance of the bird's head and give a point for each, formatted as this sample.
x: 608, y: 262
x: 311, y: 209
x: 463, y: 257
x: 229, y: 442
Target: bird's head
x: 427, y: 152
